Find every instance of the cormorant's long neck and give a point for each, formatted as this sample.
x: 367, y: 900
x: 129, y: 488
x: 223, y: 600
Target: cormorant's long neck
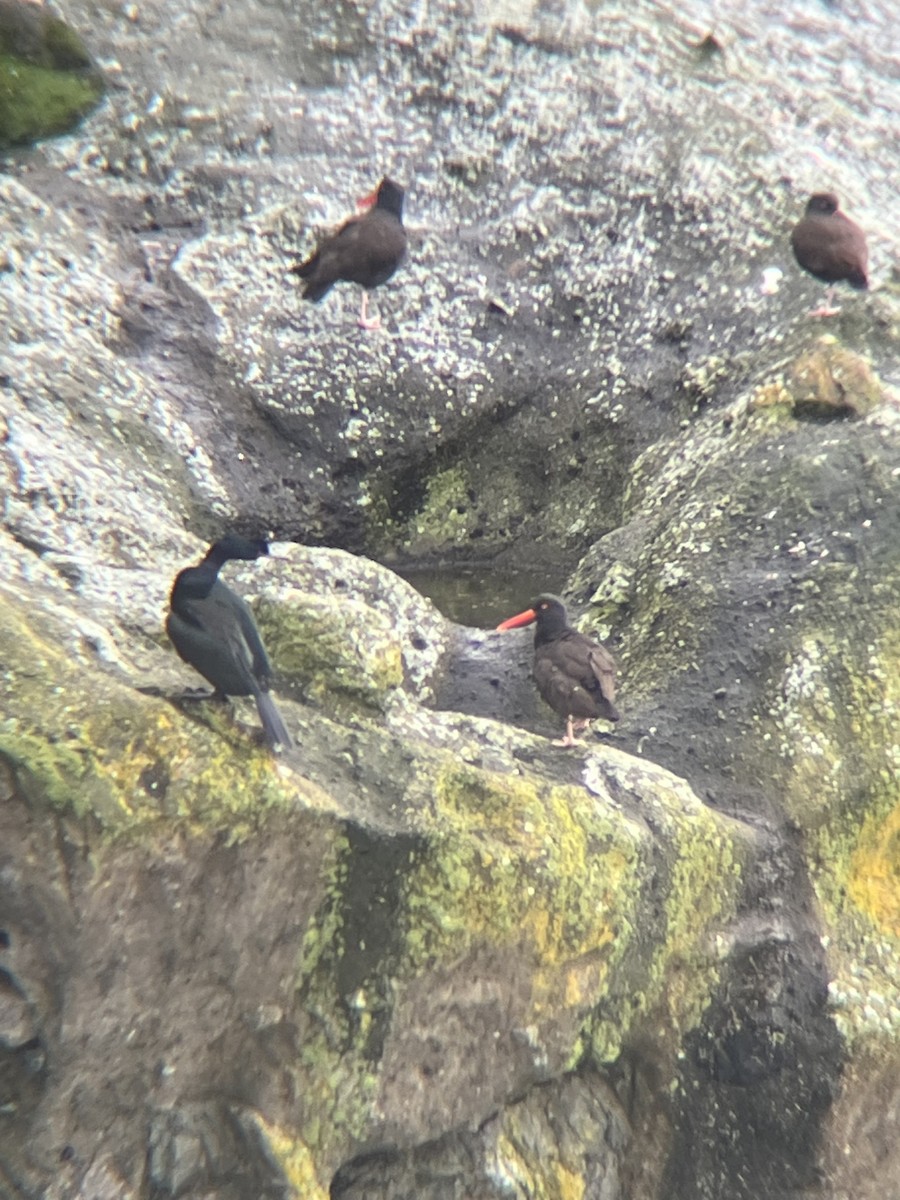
x: 195, y: 583
x: 214, y: 559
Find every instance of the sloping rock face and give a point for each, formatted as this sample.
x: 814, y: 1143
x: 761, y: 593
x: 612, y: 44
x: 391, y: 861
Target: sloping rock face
x: 232, y: 973
x: 426, y: 953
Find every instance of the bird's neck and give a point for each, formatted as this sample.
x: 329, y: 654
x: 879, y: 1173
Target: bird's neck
x: 213, y: 560
x: 195, y: 583
x: 391, y: 205
x: 549, y: 631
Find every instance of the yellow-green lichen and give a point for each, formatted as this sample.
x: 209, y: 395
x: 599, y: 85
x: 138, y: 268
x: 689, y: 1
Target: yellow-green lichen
x: 874, y: 872
x: 334, y: 1077
x: 444, y: 517
x: 539, y: 868
x: 295, y: 1160
x: 531, y: 1171
x: 831, y: 380
x: 827, y: 381
x: 332, y: 648
x: 838, y: 715
x: 703, y: 881
x: 615, y: 589
x: 87, y: 744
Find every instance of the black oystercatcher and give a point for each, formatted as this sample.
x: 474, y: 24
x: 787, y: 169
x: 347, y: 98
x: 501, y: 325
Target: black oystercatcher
x: 366, y: 250
x: 213, y: 629
x: 575, y: 675
x: 830, y: 247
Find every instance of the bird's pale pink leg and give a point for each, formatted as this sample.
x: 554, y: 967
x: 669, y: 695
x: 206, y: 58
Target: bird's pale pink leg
x: 570, y: 739
x: 366, y: 322
x: 827, y: 308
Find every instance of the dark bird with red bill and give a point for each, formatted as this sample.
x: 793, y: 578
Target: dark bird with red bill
x: 831, y: 247
x: 574, y: 674
x: 366, y: 250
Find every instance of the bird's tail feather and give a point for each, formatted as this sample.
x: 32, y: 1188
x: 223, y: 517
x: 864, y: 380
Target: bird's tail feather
x: 305, y: 269
x: 275, y: 729
x: 315, y: 290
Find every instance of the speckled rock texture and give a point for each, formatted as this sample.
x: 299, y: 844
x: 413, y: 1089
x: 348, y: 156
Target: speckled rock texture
x: 427, y: 954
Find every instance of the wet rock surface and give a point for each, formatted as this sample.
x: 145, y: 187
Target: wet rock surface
x: 426, y: 952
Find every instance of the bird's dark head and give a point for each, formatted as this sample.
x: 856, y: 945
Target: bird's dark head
x: 547, y: 610
x: 234, y: 545
x: 387, y: 196
x: 822, y: 204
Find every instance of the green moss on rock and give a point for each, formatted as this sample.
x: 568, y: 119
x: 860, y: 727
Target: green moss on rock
x: 47, y: 80
x: 295, y: 1159
x: 334, y: 648
x: 443, y: 519
x: 88, y: 745
x: 535, y: 1174
x: 514, y: 862
x: 837, y: 716
x: 831, y: 381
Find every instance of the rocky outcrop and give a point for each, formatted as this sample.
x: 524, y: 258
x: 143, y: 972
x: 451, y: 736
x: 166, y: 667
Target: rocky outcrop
x: 413, y: 929
x: 425, y: 952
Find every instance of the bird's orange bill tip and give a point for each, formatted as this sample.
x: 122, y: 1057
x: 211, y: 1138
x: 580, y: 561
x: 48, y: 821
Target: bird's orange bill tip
x: 523, y: 618
x: 367, y: 201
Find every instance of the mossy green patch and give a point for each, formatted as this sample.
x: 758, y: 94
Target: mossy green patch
x: 874, y: 874
x: 47, y: 80
x: 442, y: 518
x: 838, y: 715
x: 531, y: 1172
x: 332, y: 648
x: 702, y: 894
x: 38, y: 102
x: 703, y: 877
x: 516, y: 863
x: 832, y: 381
x: 85, y: 743
x: 334, y: 1076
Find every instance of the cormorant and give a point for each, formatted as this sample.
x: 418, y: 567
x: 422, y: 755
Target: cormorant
x: 213, y: 629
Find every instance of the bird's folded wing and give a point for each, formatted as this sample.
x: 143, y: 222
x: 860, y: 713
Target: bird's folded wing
x: 604, y: 668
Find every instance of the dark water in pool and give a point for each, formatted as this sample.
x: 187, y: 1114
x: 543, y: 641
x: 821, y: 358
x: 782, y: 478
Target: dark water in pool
x: 482, y: 595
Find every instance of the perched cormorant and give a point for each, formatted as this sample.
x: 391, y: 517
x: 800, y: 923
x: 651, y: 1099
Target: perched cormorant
x: 213, y: 629
x: 366, y: 250
x: 575, y: 675
x: 830, y: 247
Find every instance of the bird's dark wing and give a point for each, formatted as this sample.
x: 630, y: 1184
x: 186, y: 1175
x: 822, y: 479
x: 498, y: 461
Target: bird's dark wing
x: 576, y: 677
x: 367, y: 250
x: 346, y: 236
x: 831, y: 248
x: 323, y: 267
x: 562, y: 691
x: 208, y: 635
x: 603, y: 669
x: 259, y: 660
